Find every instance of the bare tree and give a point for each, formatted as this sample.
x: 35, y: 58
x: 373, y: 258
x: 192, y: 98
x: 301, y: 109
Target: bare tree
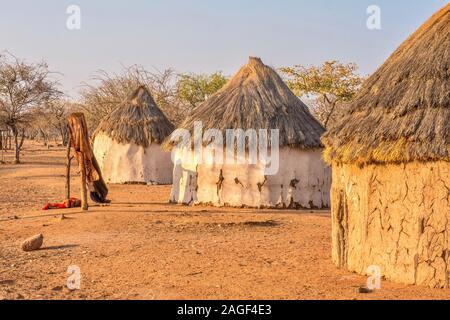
x: 23, y: 86
x: 111, y: 89
x: 39, y: 127
x: 58, y: 111
x: 50, y: 120
x: 327, y: 113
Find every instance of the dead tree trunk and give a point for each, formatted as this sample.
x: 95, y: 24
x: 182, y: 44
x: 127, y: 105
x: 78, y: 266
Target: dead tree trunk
x: 22, y: 139
x: 16, y: 147
x: 18, y: 143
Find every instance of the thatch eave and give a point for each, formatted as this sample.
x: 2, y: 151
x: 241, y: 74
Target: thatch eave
x: 402, y: 113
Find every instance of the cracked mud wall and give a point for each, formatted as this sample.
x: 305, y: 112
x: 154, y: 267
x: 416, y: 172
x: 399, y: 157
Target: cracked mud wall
x: 303, y: 181
x: 393, y: 216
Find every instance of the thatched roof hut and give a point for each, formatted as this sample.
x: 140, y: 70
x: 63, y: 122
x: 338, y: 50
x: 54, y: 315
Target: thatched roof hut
x: 402, y: 112
x: 127, y: 141
x: 137, y: 120
x: 391, y: 164
x: 257, y: 98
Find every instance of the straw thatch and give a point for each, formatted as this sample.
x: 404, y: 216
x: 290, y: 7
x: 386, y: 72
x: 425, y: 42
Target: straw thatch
x: 402, y: 113
x: 137, y: 120
x: 257, y: 98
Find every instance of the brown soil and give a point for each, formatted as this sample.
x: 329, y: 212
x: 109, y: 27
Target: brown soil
x: 140, y: 247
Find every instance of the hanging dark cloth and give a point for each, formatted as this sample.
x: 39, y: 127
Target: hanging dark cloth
x: 80, y: 143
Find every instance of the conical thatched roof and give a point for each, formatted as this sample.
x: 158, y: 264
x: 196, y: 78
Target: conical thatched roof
x: 137, y: 120
x: 402, y: 113
x: 257, y: 98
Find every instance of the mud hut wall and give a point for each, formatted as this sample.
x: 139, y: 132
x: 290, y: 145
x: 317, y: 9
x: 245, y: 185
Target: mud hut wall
x: 395, y: 217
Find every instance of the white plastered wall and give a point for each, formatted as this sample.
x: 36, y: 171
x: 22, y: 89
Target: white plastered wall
x: 303, y: 181
x: 130, y: 163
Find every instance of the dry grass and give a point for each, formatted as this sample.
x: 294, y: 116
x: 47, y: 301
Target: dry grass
x: 402, y: 113
x: 257, y: 98
x: 137, y: 120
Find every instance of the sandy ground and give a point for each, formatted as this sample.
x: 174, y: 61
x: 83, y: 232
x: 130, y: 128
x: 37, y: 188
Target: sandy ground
x: 140, y: 247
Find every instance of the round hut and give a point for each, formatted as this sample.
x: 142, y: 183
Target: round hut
x: 391, y: 165
x: 127, y: 142
x: 255, y: 99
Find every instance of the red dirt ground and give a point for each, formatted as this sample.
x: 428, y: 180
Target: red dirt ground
x: 141, y: 247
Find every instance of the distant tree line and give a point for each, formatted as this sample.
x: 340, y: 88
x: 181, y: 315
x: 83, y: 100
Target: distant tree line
x: 32, y: 105
x: 24, y: 89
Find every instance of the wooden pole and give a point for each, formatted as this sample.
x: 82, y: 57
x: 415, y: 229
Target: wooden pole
x: 2, y: 145
x: 84, y: 203
x: 68, y: 163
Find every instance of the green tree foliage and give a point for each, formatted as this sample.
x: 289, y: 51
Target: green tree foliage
x: 332, y: 83
x: 193, y: 89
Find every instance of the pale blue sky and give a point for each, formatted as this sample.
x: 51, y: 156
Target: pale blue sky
x: 204, y: 35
